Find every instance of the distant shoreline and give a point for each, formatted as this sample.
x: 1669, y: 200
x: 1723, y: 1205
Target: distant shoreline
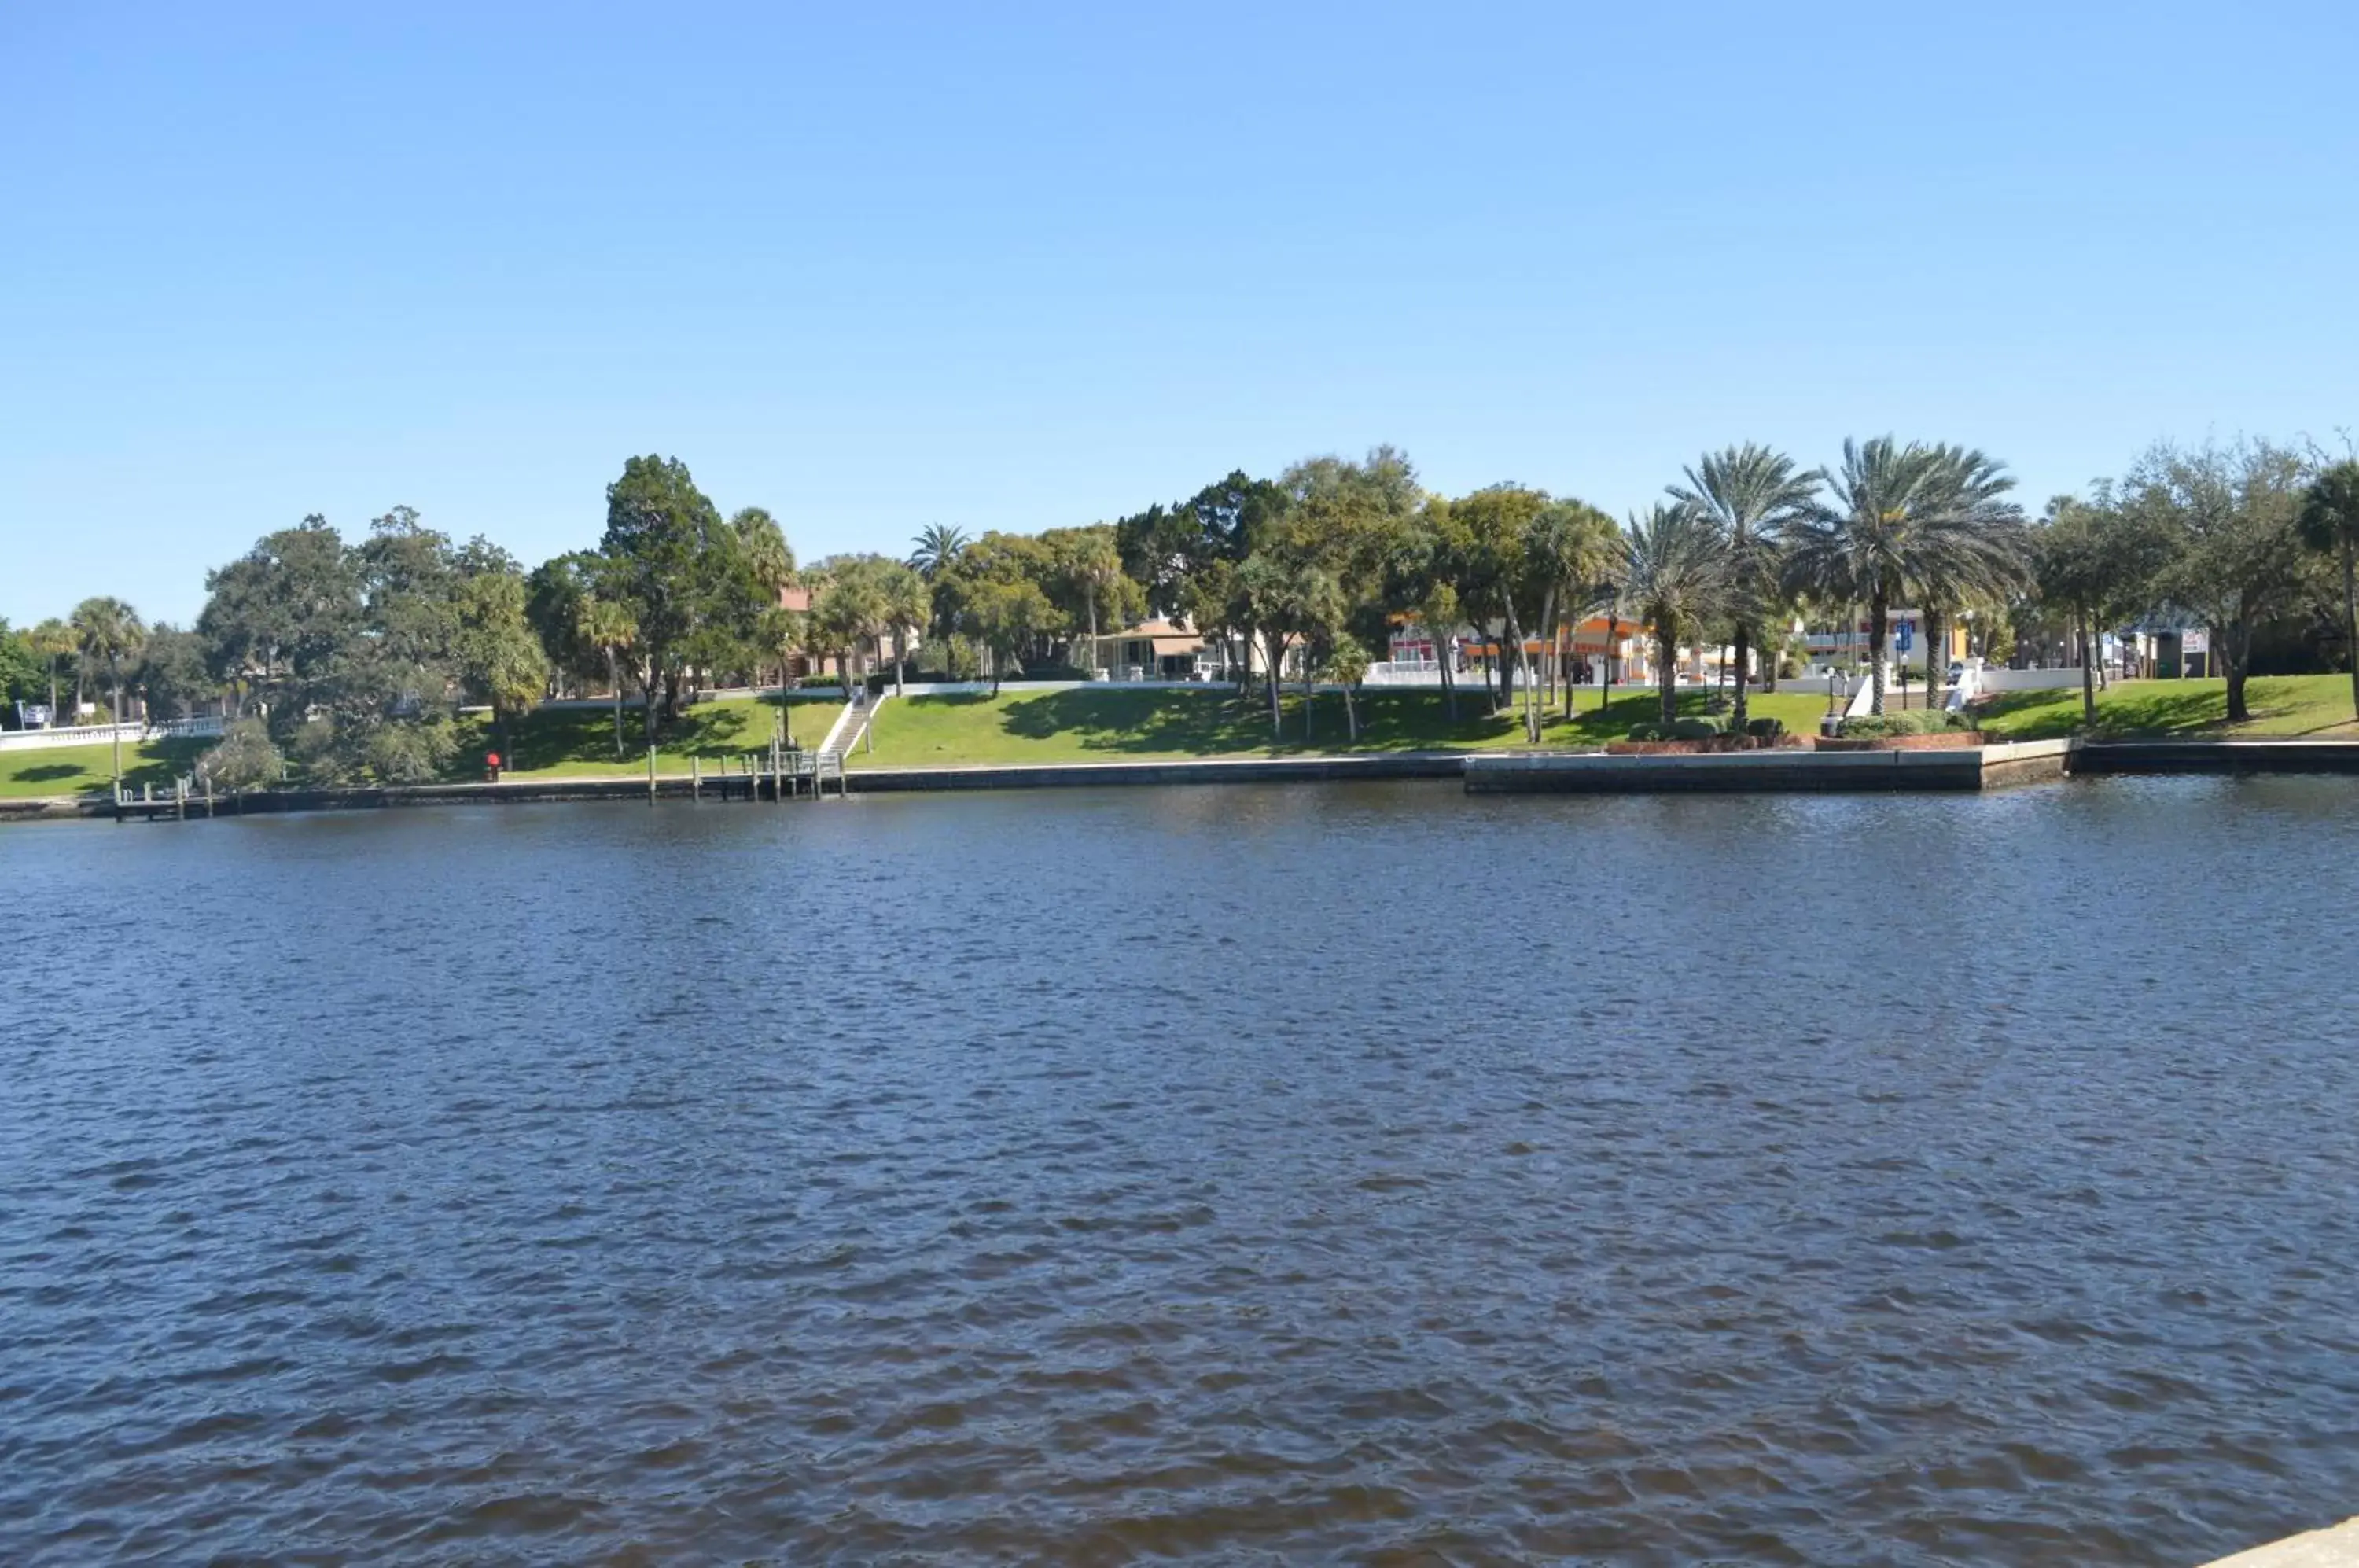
x: 1588, y: 772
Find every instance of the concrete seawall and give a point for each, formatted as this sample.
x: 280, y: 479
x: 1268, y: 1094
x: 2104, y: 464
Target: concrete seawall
x: 1965, y: 770
x: 1962, y: 769
x: 1238, y: 770
x: 2215, y: 757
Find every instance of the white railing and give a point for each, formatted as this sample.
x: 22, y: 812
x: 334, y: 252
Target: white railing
x: 106, y: 735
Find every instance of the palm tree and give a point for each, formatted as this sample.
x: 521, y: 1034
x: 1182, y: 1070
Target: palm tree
x: 2330, y: 522
x: 54, y: 641
x: 1753, y: 496
x: 1977, y: 548
x: 609, y: 627
x: 109, y: 629
x: 936, y: 548
x: 762, y: 544
x: 909, y: 605
x: 1574, y: 550
x: 1928, y: 521
x: 1674, y: 574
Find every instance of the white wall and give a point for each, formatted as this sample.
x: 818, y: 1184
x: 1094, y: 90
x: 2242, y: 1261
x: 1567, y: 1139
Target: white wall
x: 104, y: 735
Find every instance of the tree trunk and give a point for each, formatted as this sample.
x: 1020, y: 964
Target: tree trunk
x: 1937, y: 661
x: 1605, y: 667
x: 1535, y: 697
x: 901, y: 661
x: 1351, y: 714
x: 1878, y: 615
x: 2349, y: 616
x: 1273, y: 652
x: 647, y: 702
x: 615, y: 674
x: 2088, y: 680
x: 1667, y: 673
x: 1744, y: 654
x: 2233, y: 650
x: 1441, y: 662
x: 53, y: 678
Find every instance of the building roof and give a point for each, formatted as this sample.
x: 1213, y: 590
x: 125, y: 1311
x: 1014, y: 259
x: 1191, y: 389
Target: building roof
x: 1166, y: 635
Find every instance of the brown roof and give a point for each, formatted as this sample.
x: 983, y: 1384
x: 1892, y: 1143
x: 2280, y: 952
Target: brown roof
x: 795, y: 599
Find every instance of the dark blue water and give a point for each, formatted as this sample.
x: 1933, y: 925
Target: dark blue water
x: 1364, y: 1175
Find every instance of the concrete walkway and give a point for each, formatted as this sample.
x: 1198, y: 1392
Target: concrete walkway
x: 2337, y: 1547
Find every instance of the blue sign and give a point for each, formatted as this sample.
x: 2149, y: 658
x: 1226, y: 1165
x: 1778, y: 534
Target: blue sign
x: 1906, y: 638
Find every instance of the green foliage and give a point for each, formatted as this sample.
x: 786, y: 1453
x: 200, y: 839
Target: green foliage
x: 20, y: 669
x: 694, y: 585
x: 1766, y: 728
x: 244, y: 758
x: 495, y: 652
x: 1905, y: 721
x: 1696, y: 728
x: 2230, y: 519
x: 936, y: 549
x: 415, y: 753
x: 1674, y: 575
x: 1921, y: 521
x: 107, y: 633
x: 172, y: 675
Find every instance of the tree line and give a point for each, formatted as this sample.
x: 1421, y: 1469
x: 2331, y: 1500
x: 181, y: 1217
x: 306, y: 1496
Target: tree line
x: 353, y: 657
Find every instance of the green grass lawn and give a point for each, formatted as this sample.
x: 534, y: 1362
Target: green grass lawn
x: 2283, y: 707
x: 1109, y: 723
x: 77, y: 769
x: 553, y: 744
x: 1112, y: 723
x: 556, y: 743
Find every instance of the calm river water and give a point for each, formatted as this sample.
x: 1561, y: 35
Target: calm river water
x: 1364, y: 1174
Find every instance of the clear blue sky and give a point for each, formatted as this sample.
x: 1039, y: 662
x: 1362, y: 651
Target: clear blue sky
x: 875, y: 266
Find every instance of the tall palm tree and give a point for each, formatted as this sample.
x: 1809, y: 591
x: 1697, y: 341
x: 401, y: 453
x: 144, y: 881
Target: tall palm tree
x: 1930, y: 521
x: 1573, y: 548
x: 908, y: 605
x: 53, y: 639
x: 1976, y: 548
x: 2330, y: 523
x: 110, y: 629
x: 609, y: 627
x: 936, y: 546
x: 1752, y: 497
x: 1674, y: 574
x: 763, y: 544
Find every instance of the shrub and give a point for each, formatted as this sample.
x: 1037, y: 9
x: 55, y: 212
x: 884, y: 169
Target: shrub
x: 1766, y: 729
x: 411, y: 751
x: 1915, y: 721
x: 1647, y: 731
x: 242, y: 759
x: 1695, y: 729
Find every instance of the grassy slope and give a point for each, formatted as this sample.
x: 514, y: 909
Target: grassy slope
x: 72, y: 769
x: 559, y: 741
x: 552, y: 743
x: 1111, y: 724
x: 2318, y: 707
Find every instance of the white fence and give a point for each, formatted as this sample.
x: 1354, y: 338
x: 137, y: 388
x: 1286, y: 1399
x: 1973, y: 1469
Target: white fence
x: 106, y: 735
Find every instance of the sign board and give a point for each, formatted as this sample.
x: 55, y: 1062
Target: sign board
x: 2195, y: 641
x: 1906, y: 638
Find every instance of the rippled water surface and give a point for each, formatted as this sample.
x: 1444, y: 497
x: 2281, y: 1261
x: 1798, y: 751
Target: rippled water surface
x: 1245, y: 1175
